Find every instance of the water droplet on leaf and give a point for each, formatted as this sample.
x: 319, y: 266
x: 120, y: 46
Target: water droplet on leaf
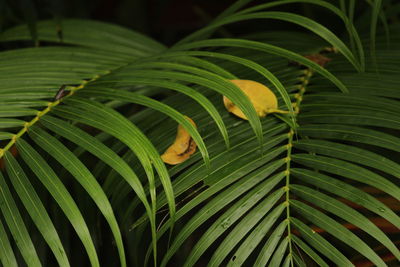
x: 226, y: 223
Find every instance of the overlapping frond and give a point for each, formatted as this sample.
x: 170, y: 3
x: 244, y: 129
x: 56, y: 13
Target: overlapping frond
x: 283, y: 190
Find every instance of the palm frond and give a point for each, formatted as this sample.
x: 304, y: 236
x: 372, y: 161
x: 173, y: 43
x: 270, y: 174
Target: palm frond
x: 90, y: 114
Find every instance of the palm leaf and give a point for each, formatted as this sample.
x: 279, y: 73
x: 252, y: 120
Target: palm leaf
x: 102, y: 110
x: 35, y: 208
x: 7, y: 254
x: 16, y: 225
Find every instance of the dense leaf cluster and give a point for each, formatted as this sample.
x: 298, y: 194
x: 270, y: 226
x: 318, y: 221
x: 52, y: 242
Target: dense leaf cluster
x: 316, y: 187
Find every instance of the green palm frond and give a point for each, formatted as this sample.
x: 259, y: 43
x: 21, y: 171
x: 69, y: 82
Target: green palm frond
x: 84, y: 119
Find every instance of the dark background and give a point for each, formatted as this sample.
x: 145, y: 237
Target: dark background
x: 165, y: 20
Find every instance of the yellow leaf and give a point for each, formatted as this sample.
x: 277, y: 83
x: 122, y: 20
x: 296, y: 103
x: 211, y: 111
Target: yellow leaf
x: 262, y: 98
x: 182, y: 148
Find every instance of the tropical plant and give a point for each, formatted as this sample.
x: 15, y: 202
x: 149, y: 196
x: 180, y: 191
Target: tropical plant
x: 85, y: 116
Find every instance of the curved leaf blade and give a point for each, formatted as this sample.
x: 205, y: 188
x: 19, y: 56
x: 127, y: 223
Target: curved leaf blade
x: 159, y: 106
x: 279, y: 253
x: 320, y: 244
x: 352, y: 216
x: 60, y: 194
x: 310, y: 252
x: 337, y: 230
x: 350, y: 153
x: 35, y: 208
x: 7, y: 257
x: 229, y: 217
x: 71, y: 163
x: 268, y: 49
x: 94, y: 146
x: 350, y: 171
x: 269, y: 246
x: 256, y: 236
x: 16, y: 225
x: 348, y: 192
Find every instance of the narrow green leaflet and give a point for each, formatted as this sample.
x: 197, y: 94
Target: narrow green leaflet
x: 5, y: 135
x: 269, y: 246
x: 279, y: 253
x: 349, y: 192
x: 296, y: 19
x: 310, y: 252
x: 356, y: 100
x: 201, y: 77
x: 352, y: 216
x: 70, y: 162
x: 201, y: 99
x: 268, y: 49
x: 343, y: 8
x: 346, y: 108
x: 156, y: 105
x: 97, y: 115
x: 243, y: 172
x: 338, y: 230
x: 232, y: 215
x: 77, y: 61
x: 10, y: 123
x: 90, y: 33
x: 352, y: 4
x: 239, y: 232
x: 255, y: 237
x: 245, y: 62
x: 240, y: 167
x: 352, y: 116
x: 26, y: 103
x: 349, y: 170
x: 239, y: 164
x: 288, y: 261
x: 351, y: 133
x: 369, y: 84
x: 16, y: 225
x: 35, y: 208
x: 216, y: 204
x: 16, y: 112
x: 191, y: 61
x: 347, y: 21
x: 60, y: 194
x: 7, y: 257
x: 299, y: 261
x: 94, y: 146
x: 112, y: 122
x: 320, y: 244
x: 350, y: 153
x: 109, y: 121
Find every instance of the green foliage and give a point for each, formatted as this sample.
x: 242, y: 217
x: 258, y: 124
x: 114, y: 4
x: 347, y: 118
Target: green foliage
x: 81, y: 174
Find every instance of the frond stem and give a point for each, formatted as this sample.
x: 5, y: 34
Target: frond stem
x: 50, y: 105
x: 299, y: 98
